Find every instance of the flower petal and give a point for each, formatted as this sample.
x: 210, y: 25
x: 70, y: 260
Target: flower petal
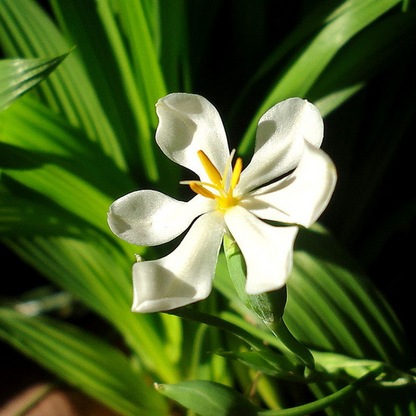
x: 302, y: 196
x: 267, y: 250
x: 149, y: 218
x: 185, y: 275
x: 280, y: 139
x: 188, y: 123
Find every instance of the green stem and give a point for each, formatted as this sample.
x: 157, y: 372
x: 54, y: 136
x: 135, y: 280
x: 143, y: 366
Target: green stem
x: 327, y: 401
x: 197, y: 316
x: 281, y: 331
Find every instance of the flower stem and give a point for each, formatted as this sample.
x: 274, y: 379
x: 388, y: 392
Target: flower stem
x: 197, y: 316
x: 281, y: 331
x: 327, y: 401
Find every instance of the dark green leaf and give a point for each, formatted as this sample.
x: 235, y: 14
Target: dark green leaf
x: 208, y: 398
x: 339, y: 28
x: 332, y: 306
x: 266, y: 362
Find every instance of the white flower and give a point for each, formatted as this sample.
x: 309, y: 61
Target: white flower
x: 229, y: 200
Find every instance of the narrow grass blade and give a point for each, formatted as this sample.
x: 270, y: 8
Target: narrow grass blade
x: 27, y: 31
x: 42, y: 152
x: 362, y: 58
x: 83, y: 360
x: 359, y: 324
x: 174, y: 53
x: 144, y: 54
x: 79, y: 21
x: 301, y: 75
x: 96, y: 272
x: 333, y: 307
x: 20, y: 75
x: 145, y: 119
x: 30, y: 215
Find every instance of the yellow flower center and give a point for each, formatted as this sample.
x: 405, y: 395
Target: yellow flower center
x: 225, y: 197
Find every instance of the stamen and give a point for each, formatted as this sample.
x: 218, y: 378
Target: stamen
x: 203, y: 184
x: 210, y: 169
x: 222, y: 192
x: 227, y: 167
x: 198, y: 189
x: 235, y: 177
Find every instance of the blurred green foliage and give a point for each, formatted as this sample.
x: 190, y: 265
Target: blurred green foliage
x: 84, y: 136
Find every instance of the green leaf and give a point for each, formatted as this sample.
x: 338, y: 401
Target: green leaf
x: 62, y: 187
x: 212, y: 399
x: 144, y: 53
x: 137, y: 90
x: 42, y: 155
x: 47, y: 156
x: 361, y: 58
x: 333, y: 307
x: 208, y: 398
x: 79, y: 21
x: 348, y: 368
x: 98, y: 273
x: 175, y: 48
x: 27, y: 30
x: 82, y: 360
x: 20, y: 75
x: 29, y: 214
x: 330, y: 400
x: 193, y: 314
x: 269, y: 307
x: 341, y: 26
x: 266, y: 362
x: 33, y: 130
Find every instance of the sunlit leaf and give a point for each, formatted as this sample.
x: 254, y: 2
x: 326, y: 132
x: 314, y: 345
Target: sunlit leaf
x: 343, y: 24
x: 27, y: 31
x: 360, y: 323
x: 145, y: 119
x: 362, y: 58
x: 97, y: 273
x: 83, y: 360
x: 20, y: 75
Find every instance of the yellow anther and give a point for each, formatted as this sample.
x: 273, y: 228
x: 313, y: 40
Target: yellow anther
x: 210, y: 169
x: 198, y: 189
x: 222, y: 193
x: 235, y: 177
